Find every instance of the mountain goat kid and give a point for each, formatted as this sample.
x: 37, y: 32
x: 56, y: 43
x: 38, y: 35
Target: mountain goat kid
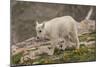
x: 59, y: 28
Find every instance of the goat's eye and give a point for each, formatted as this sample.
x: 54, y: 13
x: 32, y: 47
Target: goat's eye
x: 40, y: 31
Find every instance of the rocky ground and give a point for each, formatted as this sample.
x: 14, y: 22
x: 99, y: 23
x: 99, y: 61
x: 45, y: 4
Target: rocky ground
x: 25, y: 52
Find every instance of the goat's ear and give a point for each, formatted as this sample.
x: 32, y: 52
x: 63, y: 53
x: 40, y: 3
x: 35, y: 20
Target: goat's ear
x: 43, y: 25
x: 37, y: 22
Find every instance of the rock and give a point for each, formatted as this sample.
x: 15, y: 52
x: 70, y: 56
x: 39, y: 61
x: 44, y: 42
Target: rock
x: 24, y: 58
x: 19, y: 50
x: 89, y: 44
x: 86, y: 26
x: 14, y: 48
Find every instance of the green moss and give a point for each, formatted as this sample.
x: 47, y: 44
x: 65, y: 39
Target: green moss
x: 82, y: 38
x: 16, y: 58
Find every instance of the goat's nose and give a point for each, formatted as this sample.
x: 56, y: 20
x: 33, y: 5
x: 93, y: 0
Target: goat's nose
x: 37, y: 37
